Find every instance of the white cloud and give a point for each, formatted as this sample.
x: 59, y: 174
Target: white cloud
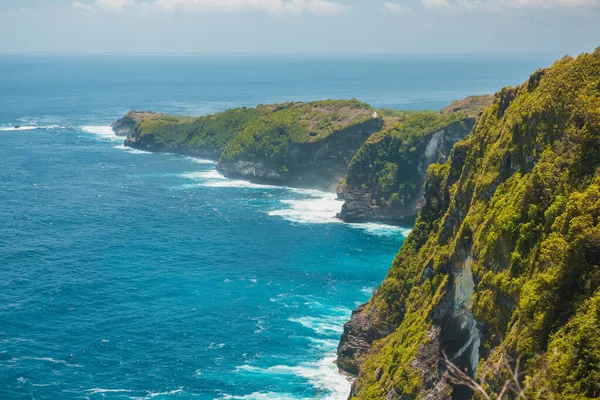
x: 113, y: 5
x: 497, y: 5
x: 435, y: 3
x: 110, y: 5
x: 394, y: 8
x: 552, y: 3
x: 270, y: 6
x: 84, y: 6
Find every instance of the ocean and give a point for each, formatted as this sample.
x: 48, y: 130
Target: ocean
x: 131, y: 275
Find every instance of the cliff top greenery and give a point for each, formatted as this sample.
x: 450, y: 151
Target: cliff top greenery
x: 518, y: 206
x: 471, y: 106
x: 387, y: 165
x: 302, y: 122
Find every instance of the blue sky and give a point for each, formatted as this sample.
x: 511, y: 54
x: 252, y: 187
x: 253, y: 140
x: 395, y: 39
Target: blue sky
x: 300, y: 26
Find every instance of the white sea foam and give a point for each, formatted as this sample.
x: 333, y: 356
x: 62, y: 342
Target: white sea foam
x: 382, y: 229
x: 326, y: 326
x: 322, y: 207
x: 261, y: 396
x: 225, y: 183
x: 152, y: 395
x: 319, y: 208
x: 52, y: 360
x: 323, y: 344
x: 201, y: 160
x: 131, y: 149
x: 323, y: 375
x: 367, y: 290
x: 99, y: 390
x: 102, y: 132
x: 20, y: 128
x: 203, y: 175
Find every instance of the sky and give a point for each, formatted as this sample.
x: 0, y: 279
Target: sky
x: 557, y: 27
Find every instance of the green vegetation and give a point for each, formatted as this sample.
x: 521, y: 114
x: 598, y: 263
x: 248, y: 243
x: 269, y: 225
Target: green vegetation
x: 270, y: 138
x: 518, y: 203
x: 275, y: 139
x: 387, y: 165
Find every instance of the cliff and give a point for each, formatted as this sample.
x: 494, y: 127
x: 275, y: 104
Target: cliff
x: 504, y: 259
x: 301, y: 144
x: 385, y: 179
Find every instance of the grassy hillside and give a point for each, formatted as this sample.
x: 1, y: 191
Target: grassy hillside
x: 504, y: 260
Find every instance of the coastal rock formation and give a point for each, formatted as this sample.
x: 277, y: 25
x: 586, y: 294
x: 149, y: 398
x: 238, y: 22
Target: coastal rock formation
x: 504, y: 259
x: 385, y: 179
x: 128, y: 125
x: 299, y: 144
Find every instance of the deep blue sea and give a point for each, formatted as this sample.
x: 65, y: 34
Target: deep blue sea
x: 130, y: 275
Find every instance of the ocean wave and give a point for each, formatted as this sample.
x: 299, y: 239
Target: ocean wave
x: 261, y: 396
x: 201, y: 160
x: 131, y: 149
x: 102, y: 132
x: 50, y: 360
x: 323, y: 344
x: 323, y: 375
x: 213, y: 174
x: 319, y: 208
x: 20, y: 128
x: 382, y: 229
x: 368, y: 291
x: 238, y: 184
x: 99, y: 391
x: 325, y: 326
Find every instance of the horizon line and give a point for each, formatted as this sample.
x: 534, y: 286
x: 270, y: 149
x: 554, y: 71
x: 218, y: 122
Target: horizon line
x: 248, y: 54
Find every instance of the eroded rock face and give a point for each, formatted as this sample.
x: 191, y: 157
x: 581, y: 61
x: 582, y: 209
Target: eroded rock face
x: 359, y: 333
x: 362, y: 202
x: 128, y: 125
x: 321, y: 164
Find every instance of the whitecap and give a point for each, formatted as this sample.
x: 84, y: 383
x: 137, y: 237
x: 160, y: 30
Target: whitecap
x: 261, y: 396
x: 320, y: 208
x: 238, y: 184
x: 323, y: 344
x: 20, y: 128
x: 152, y: 395
x: 382, y: 229
x: 326, y: 326
x: 203, y: 175
x: 131, y: 149
x: 102, y: 132
x: 323, y: 375
x: 99, y: 390
x: 367, y: 290
x: 201, y: 160
x: 52, y: 360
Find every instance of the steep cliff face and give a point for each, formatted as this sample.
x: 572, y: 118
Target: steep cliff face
x: 385, y: 179
x: 504, y: 260
x: 304, y: 144
x: 281, y: 159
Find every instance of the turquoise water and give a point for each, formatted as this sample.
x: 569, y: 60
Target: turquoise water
x: 130, y: 275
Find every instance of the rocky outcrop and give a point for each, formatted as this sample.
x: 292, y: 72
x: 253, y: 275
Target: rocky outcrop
x: 359, y: 333
x: 385, y: 180
x: 503, y: 259
x: 320, y: 164
x: 128, y: 125
x: 297, y: 144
